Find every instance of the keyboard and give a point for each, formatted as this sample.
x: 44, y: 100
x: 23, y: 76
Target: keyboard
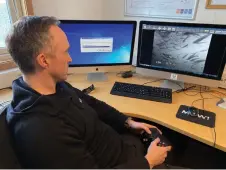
x: 4, y: 104
x: 157, y: 94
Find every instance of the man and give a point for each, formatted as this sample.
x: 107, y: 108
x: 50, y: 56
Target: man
x: 57, y: 126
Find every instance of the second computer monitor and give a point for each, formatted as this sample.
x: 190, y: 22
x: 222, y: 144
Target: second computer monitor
x: 99, y: 46
x: 183, y: 52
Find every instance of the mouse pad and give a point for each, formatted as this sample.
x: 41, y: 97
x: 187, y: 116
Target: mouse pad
x: 202, y: 117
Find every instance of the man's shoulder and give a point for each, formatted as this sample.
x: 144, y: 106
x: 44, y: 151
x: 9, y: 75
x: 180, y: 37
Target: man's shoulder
x: 36, y: 122
x: 67, y: 86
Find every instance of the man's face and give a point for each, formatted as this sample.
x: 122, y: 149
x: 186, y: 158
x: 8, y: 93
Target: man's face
x: 60, y: 58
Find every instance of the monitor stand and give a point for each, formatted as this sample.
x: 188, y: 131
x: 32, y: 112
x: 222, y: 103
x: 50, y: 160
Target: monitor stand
x: 174, y: 85
x: 98, y: 76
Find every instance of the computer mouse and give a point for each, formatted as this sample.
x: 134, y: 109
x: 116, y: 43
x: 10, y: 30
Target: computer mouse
x: 127, y: 74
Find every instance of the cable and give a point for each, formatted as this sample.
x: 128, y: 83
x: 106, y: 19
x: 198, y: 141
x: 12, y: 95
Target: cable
x: 215, y: 134
x: 198, y: 91
x: 203, y: 108
x: 215, y: 137
x: 149, y: 82
x: 203, y: 101
x: 214, y: 95
x: 220, y: 92
x: 191, y: 94
x: 190, y: 89
x: 185, y: 89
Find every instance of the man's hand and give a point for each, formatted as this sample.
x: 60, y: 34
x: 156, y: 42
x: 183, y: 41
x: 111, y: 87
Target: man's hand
x: 139, y: 127
x: 156, y: 155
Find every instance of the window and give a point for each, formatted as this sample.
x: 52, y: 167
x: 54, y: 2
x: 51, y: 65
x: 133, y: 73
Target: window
x: 5, y: 22
x: 10, y: 11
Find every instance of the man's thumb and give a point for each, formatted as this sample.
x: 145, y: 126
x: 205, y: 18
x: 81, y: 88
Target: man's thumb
x: 156, y: 141
x: 168, y: 148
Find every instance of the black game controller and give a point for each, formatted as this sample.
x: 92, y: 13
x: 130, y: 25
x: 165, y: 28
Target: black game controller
x: 148, y: 138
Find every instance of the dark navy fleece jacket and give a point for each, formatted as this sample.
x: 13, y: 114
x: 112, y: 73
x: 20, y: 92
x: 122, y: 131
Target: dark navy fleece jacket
x: 67, y: 129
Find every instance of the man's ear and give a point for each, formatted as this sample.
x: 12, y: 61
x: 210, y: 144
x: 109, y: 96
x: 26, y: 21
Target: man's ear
x: 42, y: 60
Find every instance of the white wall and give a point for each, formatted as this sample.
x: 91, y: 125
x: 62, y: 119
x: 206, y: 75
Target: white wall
x: 69, y: 9
x: 114, y: 10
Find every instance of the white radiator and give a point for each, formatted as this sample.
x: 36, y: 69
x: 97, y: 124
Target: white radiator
x: 7, y: 77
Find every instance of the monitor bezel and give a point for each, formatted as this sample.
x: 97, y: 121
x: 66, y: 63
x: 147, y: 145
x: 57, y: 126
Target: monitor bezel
x: 134, y: 23
x: 219, y: 76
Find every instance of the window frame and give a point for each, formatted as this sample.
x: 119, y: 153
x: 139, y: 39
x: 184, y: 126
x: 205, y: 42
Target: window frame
x: 17, y: 9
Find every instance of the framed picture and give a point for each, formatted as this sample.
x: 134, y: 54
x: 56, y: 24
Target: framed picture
x: 216, y: 4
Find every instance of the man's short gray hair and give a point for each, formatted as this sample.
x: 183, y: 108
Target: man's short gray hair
x: 27, y: 38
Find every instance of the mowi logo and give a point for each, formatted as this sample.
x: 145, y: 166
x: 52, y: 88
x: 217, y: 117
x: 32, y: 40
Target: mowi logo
x: 200, y: 116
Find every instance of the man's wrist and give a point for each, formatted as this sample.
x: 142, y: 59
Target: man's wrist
x: 128, y: 122
x: 149, y: 162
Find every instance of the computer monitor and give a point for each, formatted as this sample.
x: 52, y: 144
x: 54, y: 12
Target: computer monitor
x: 97, y: 47
x: 182, y: 52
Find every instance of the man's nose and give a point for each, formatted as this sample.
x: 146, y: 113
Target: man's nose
x: 69, y: 59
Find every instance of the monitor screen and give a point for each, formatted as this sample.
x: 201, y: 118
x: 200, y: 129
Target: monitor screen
x: 191, y: 49
x: 96, y: 43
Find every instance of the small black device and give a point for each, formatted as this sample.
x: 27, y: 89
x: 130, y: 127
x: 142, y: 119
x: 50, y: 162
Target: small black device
x: 142, y: 92
x: 88, y: 89
x: 148, y: 138
x: 127, y: 74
